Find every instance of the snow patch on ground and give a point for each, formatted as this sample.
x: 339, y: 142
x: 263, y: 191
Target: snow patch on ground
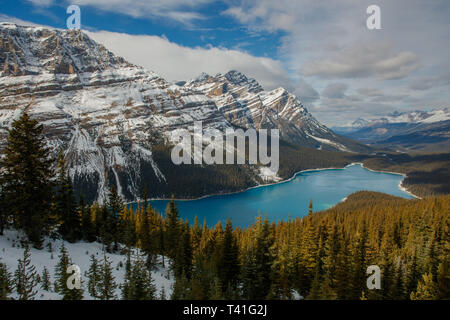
x: 268, y: 175
x: 80, y: 253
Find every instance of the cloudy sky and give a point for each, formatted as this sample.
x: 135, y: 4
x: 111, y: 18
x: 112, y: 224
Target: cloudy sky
x: 320, y: 50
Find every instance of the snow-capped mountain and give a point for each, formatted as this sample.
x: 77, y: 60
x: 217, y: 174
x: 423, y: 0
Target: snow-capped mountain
x: 103, y: 111
x: 413, y: 117
x: 246, y: 104
x: 416, y: 130
x: 109, y: 116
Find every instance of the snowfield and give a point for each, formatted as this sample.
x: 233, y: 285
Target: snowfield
x: 79, y: 253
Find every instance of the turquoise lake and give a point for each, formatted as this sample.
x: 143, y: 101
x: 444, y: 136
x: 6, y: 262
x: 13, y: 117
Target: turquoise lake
x: 326, y: 188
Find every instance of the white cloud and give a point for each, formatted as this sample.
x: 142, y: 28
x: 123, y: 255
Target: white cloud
x: 182, y: 11
x: 362, y: 61
x: 175, y: 62
x: 335, y: 90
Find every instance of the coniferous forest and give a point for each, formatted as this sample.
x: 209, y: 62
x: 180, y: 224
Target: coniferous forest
x: 323, y: 255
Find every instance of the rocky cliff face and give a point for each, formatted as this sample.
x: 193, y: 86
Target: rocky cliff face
x: 105, y: 113
x: 246, y: 104
x: 109, y: 116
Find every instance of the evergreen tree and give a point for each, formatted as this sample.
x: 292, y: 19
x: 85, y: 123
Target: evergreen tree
x: 25, y: 277
x: 46, y: 282
x: 426, y: 289
x: 228, y: 265
x: 26, y: 178
x: 4, y: 213
x: 173, y: 228
x: 181, y: 288
x: 6, y: 283
x: 62, y: 277
x: 115, y: 205
x: 66, y: 207
x: 359, y: 263
x: 183, y: 260
x: 87, y: 225
x: 139, y: 282
x: 93, y: 277
x: 106, y: 283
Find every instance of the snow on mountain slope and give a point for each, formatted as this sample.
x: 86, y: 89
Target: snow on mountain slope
x: 413, y: 117
x: 115, y: 121
x: 80, y: 253
x: 105, y: 113
x: 245, y: 104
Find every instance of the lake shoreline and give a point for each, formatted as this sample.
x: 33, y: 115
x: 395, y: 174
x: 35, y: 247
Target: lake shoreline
x: 400, y: 186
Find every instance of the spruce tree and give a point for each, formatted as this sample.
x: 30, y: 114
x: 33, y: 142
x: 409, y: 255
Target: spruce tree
x: 87, y: 225
x: 4, y: 213
x: 139, y: 282
x: 181, y: 288
x: 26, y: 178
x: 66, y: 206
x: 62, y: 277
x: 426, y: 289
x: 228, y: 265
x: 93, y: 277
x: 46, y: 282
x: 106, y: 283
x: 25, y: 277
x: 6, y: 283
x: 173, y: 228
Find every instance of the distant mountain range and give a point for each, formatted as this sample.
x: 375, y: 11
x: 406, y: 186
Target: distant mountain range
x: 115, y: 120
x: 416, y: 130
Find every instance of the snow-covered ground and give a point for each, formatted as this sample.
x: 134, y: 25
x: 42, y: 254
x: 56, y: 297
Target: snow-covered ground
x: 268, y: 175
x: 80, y: 253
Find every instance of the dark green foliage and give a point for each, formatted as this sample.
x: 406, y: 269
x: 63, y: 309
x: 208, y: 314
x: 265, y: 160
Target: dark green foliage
x: 65, y: 204
x: 62, y: 277
x: 25, y: 277
x: 93, y: 277
x: 138, y: 282
x: 6, y: 282
x: 106, y: 284
x: 46, y: 282
x: 228, y: 265
x: 173, y: 228
x: 26, y: 179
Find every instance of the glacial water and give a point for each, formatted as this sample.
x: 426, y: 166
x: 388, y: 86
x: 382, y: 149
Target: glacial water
x: 326, y: 188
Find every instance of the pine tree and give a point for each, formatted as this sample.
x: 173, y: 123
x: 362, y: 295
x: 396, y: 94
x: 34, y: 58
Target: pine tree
x: 359, y: 263
x: 106, y: 283
x: 46, y: 282
x: 4, y: 213
x: 26, y: 178
x: 6, y: 283
x: 426, y: 289
x: 216, y: 292
x: 173, y: 228
x: 183, y: 260
x: 93, y: 277
x: 62, y: 276
x: 25, y: 277
x: 181, y: 288
x: 87, y: 225
x: 66, y: 207
x: 228, y: 265
x: 140, y: 284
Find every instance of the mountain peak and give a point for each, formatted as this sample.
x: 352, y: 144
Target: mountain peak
x: 38, y: 50
x: 239, y: 79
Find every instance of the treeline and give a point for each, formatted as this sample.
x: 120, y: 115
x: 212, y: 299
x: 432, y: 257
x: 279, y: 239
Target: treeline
x: 427, y: 174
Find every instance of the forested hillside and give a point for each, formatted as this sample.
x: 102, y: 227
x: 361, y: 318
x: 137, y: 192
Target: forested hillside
x: 323, y: 255
x: 426, y: 174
